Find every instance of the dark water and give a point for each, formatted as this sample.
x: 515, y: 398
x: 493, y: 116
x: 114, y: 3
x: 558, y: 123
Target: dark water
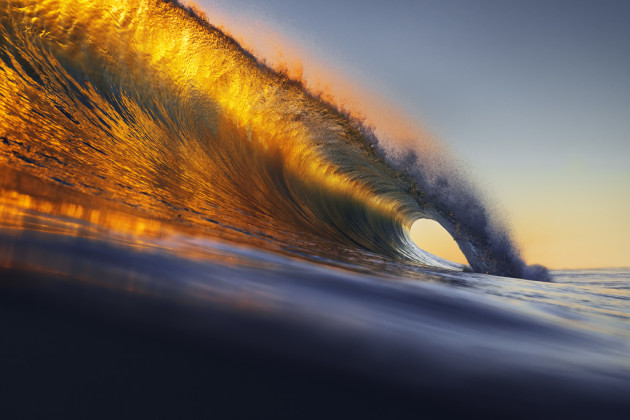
x: 95, y: 322
x: 186, y: 233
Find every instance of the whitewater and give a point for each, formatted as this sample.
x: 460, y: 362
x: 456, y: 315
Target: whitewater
x: 162, y: 188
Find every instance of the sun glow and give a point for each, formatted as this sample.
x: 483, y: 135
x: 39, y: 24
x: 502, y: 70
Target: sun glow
x: 430, y: 236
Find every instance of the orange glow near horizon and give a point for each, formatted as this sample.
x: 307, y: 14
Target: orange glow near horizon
x: 430, y: 236
x: 572, y: 231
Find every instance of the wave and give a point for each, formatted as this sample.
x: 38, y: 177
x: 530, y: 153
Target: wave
x: 143, y: 102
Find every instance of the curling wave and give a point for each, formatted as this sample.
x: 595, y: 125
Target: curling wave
x: 144, y: 103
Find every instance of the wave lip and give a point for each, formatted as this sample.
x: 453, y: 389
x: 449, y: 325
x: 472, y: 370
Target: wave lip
x: 147, y: 104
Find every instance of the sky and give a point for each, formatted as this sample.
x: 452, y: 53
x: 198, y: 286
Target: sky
x: 532, y: 97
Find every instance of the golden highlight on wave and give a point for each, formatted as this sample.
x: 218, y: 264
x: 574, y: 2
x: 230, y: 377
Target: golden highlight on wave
x: 145, y: 103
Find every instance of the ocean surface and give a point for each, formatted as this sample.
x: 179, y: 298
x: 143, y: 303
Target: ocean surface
x: 185, y: 232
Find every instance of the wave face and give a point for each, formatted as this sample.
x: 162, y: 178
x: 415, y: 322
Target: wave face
x: 143, y: 103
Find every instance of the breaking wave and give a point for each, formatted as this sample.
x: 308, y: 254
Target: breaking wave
x: 144, y: 103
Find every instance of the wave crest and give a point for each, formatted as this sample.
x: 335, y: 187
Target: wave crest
x: 143, y: 102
